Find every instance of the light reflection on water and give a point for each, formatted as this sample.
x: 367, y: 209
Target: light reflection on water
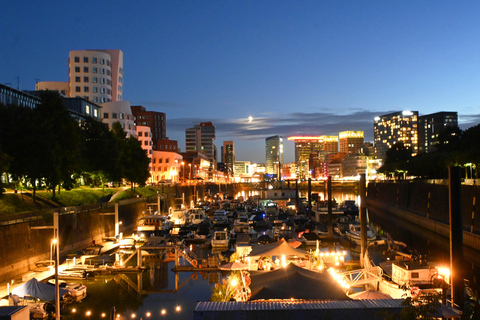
x: 162, y: 289
x: 162, y: 292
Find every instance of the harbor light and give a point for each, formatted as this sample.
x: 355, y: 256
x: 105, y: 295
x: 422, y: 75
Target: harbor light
x: 134, y: 315
x: 178, y: 308
x: 148, y: 314
x: 103, y: 315
x: 445, y: 273
x: 88, y: 313
x: 163, y: 312
x: 74, y: 310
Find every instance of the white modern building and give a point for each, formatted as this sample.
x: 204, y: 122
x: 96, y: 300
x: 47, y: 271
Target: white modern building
x: 96, y: 75
x: 119, y: 111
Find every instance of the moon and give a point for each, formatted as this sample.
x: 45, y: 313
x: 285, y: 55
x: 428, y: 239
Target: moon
x: 250, y: 119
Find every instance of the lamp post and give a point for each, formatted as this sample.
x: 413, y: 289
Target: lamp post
x: 54, y: 241
x: 190, y: 174
x: 183, y: 171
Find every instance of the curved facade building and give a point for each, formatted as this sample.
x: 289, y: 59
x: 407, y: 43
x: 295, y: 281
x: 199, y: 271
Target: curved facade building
x: 119, y: 111
x: 96, y: 75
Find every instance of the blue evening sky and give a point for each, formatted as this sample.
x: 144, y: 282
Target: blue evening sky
x: 297, y: 67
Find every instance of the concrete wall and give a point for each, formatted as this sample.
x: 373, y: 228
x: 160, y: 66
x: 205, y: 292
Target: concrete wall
x: 21, y: 245
x: 427, y: 205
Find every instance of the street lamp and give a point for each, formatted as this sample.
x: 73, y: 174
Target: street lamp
x: 183, y: 171
x: 54, y: 241
x: 190, y: 175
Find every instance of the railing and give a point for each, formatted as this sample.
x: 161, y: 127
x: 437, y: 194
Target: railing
x: 185, y: 252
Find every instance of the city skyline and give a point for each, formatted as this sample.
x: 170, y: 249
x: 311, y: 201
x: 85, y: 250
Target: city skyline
x: 295, y: 68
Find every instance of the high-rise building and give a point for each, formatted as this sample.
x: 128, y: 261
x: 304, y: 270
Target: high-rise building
x: 274, y: 155
x: 200, y: 139
x: 396, y: 127
x: 95, y: 75
x: 157, y: 121
x: 306, y: 146
x: 351, y: 142
x: 430, y: 126
x: 228, y: 156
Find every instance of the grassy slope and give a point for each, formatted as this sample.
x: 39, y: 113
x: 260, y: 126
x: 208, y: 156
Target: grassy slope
x: 14, y: 203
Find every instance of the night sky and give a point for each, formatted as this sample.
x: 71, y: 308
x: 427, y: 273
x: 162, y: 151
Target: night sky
x: 296, y: 67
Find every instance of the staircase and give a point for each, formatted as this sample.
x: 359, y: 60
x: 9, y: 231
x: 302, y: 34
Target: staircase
x: 186, y: 253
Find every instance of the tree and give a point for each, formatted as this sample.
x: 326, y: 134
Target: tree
x: 135, y: 162
x: 60, y: 139
x: 397, y: 158
x: 100, y: 151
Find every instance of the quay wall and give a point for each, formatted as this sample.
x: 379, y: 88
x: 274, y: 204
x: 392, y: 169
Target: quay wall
x: 21, y: 245
x: 427, y: 205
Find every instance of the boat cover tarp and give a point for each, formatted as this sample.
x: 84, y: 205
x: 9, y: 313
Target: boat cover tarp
x: 295, y: 282
x: 278, y: 248
x: 37, y: 289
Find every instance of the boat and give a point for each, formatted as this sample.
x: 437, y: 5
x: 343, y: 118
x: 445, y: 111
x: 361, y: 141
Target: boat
x: 197, y: 216
x: 76, y: 289
x: 354, y: 233
x: 220, y: 239
x: 271, y: 209
x: 404, y: 279
x: 179, y: 217
x: 220, y: 218
x: 310, y: 238
x: 38, y: 310
x: 258, y: 220
x: 153, y: 225
x: 349, y: 207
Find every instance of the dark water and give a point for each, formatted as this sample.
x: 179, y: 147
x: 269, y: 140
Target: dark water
x: 434, y: 246
x: 159, y: 289
x: 151, y: 292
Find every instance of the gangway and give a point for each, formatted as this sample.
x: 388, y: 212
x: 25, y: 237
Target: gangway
x: 360, y: 277
x: 180, y: 249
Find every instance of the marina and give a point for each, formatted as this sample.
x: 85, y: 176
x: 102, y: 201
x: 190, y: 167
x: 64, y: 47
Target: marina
x: 170, y: 272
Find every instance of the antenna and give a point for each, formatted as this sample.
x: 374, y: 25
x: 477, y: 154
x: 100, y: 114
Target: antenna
x: 18, y: 83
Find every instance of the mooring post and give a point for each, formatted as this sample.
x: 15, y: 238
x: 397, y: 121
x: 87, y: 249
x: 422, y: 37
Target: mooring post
x: 296, y: 195
x: 310, y: 194
x: 363, y: 217
x: 330, y: 214
x: 456, y: 235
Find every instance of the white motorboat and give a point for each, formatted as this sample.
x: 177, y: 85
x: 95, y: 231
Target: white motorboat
x: 354, y: 233
x: 76, y: 289
x: 221, y: 239
x: 220, y: 218
x: 155, y: 225
x: 412, y: 278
